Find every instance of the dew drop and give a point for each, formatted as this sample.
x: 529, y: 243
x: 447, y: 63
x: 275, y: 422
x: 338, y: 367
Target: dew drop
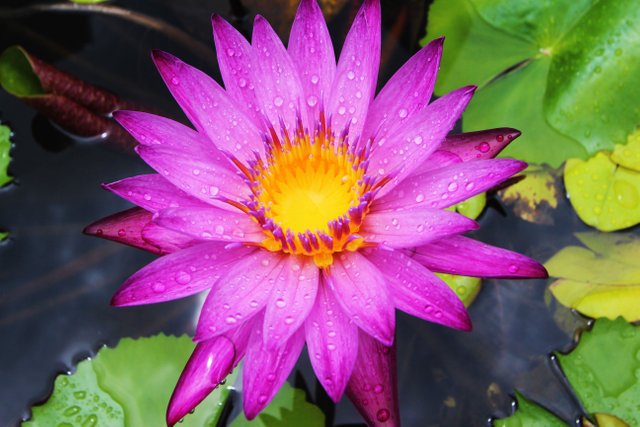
x: 453, y: 186
x: 312, y: 101
x: 315, y: 79
x: 351, y: 75
x: 383, y: 415
x: 175, y: 80
x: 183, y: 277
x: 121, y: 232
x: 483, y: 147
x: 403, y: 113
x: 278, y: 101
x: 420, y: 198
x: 288, y: 320
x: 262, y: 398
x: 242, y: 83
x: 417, y: 140
x: 230, y: 320
x: 214, y: 191
x: 280, y: 303
x: 158, y: 287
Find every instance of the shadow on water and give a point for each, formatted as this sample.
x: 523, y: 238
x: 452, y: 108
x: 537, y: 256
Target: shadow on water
x: 55, y: 283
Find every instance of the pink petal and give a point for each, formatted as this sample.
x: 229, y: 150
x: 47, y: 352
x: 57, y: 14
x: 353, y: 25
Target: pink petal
x: 236, y: 60
x: 312, y: 53
x: 401, y: 153
x: 418, y: 291
x: 179, y: 274
x: 168, y: 241
x: 278, y: 85
x: 373, y: 386
x: 413, y: 226
x: 362, y: 293
x: 444, y: 187
x: 332, y: 342
x: 125, y: 227
x: 484, y: 144
x: 265, y: 370
x: 209, y: 364
x: 468, y: 257
x: 291, y: 300
x: 209, y: 223
x: 199, y: 175
x: 357, y: 72
x: 406, y: 93
x: 438, y: 159
x: 152, y: 192
x: 240, y: 294
x: 209, y: 107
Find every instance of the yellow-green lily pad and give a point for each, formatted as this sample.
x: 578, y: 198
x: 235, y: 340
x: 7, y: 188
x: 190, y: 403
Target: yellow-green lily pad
x: 628, y: 155
x: 601, y: 279
x: 535, y: 196
x: 467, y: 288
x: 605, y: 195
x: 472, y: 207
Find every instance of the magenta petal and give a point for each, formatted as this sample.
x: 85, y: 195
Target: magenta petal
x: 236, y: 59
x: 373, y: 386
x: 361, y: 291
x: 418, y: 291
x: 125, y: 227
x: 413, y: 226
x: 240, y: 294
x: 399, y: 154
x: 332, y: 342
x: 152, y: 192
x: 406, y: 93
x: 209, y: 364
x: 468, y: 257
x: 278, y: 85
x: 484, y: 144
x: 169, y: 241
x: 209, y: 223
x: 200, y: 175
x: 209, y: 107
x: 357, y: 72
x: 312, y: 53
x: 444, y: 187
x: 291, y: 300
x: 179, y: 274
x: 265, y: 370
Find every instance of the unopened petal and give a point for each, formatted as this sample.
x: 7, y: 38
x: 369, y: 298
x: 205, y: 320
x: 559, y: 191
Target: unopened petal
x: 125, y: 227
x: 373, y: 384
x: 484, y: 144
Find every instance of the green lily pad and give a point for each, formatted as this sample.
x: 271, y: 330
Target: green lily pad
x: 5, y: 157
x: 603, y: 369
x: 472, y: 207
x: 529, y: 414
x: 129, y: 385
x: 535, y: 196
x: 467, y: 288
x: 604, y: 194
x: 563, y: 73
x: 289, y: 408
x: 17, y: 75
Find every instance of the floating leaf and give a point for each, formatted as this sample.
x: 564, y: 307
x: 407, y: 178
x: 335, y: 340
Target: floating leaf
x: 529, y: 414
x: 288, y: 408
x: 3, y: 236
x: 535, y: 196
x: 564, y: 73
x: 604, y: 195
x: 603, y: 369
x: 129, y: 385
x: 628, y: 155
x: 5, y: 158
x: 604, y: 420
x: 601, y: 279
x: 467, y: 288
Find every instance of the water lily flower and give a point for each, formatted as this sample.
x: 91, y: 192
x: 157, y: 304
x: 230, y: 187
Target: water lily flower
x: 308, y: 207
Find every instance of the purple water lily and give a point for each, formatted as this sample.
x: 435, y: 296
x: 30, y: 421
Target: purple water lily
x: 308, y: 208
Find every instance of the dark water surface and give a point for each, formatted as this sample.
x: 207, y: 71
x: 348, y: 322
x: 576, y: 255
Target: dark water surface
x: 55, y: 283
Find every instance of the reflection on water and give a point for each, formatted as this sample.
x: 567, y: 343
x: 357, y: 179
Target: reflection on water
x: 55, y: 283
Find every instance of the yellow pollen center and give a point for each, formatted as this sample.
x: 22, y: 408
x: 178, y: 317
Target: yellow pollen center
x: 309, y: 191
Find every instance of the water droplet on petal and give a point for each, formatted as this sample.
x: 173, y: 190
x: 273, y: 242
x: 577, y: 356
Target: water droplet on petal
x: 403, y: 113
x: 383, y: 415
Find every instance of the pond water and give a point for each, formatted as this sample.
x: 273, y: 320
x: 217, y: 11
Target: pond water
x: 55, y: 283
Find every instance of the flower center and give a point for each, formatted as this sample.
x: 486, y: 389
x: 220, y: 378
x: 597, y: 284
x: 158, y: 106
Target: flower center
x: 310, y: 193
